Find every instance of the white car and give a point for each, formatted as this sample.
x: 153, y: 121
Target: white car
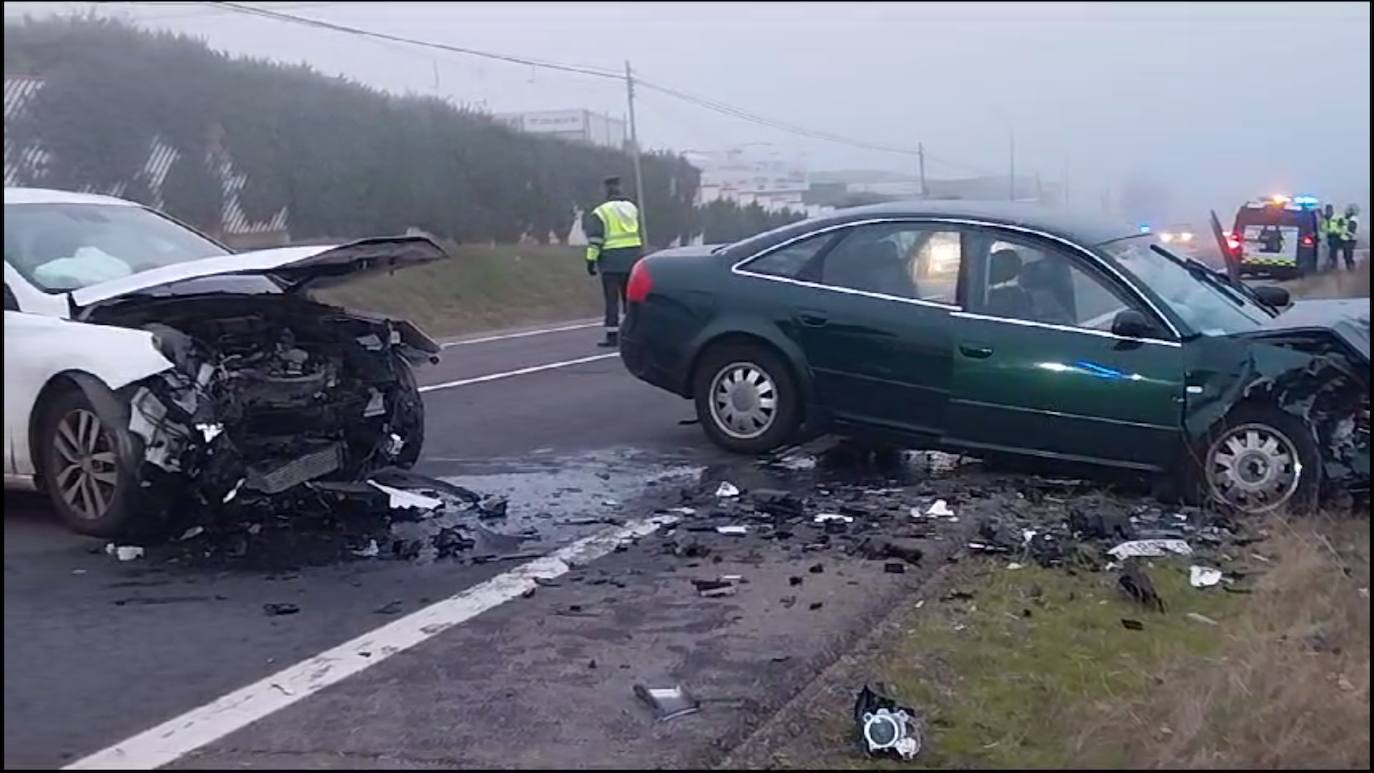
x: 148, y: 369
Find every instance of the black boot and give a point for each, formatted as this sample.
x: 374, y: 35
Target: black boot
x: 612, y: 340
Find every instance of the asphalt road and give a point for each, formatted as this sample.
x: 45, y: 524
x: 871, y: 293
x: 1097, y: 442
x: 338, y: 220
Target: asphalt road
x: 98, y: 652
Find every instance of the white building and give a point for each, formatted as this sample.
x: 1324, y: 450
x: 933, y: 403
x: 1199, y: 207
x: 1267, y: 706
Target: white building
x: 572, y: 125
x: 751, y: 174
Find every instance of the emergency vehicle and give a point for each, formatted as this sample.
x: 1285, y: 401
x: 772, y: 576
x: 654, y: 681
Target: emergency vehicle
x: 1276, y: 236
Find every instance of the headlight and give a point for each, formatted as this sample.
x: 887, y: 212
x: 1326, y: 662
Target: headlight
x: 1185, y: 236
x: 1166, y: 237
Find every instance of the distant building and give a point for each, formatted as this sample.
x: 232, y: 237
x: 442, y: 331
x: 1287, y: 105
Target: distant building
x: 836, y: 187
x: 582, y: 126
x: 751, y: 174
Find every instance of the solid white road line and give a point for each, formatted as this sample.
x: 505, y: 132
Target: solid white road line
x: 520, y: 372
x: 521, y: 334
x: 181, y: 735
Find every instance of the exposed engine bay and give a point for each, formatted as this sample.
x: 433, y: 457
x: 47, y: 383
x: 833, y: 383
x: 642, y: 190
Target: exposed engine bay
x: 269, y: 392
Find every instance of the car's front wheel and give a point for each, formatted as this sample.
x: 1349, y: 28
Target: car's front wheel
x: 746, y: 398
x: 408, y: 420
x: 92, y: 484
x: 1260, y: 461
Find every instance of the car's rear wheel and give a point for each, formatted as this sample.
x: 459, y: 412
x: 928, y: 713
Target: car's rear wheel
x: 747, y: 399
x: 91, y: 487
x: 1260, y: 461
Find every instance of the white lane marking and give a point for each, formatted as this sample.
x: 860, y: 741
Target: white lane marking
x: 521, y: 334
x: 520, y: 372
x: 181, y: 735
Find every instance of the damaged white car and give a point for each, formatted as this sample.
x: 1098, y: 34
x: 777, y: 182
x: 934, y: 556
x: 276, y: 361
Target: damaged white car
x: 149, y: 370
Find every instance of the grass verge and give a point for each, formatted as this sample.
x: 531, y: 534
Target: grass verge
x: 1036, y: 670
x: 481, y: 288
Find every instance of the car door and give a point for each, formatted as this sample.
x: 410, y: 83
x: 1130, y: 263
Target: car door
x: 1037, y: 369
x: 11, y: 411
x: 874, y: 328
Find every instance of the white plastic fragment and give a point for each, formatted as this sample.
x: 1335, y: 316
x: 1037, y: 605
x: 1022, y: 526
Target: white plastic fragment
x: 726, y: 489
x: 1203, y: 576
x: 1027, y: 535
x: 191, y: 533
x: 1013, y: 566
x: 682, y: 510
x: 1150, y: 548
x: 400, y: 499
x: 371, y: 551
x: 210, y: 431
x: 940, y: 509
x: 124, y: 552
x: 1199, y: 618
x: 734, y: 531
x: 233, y: 492
x: 832, y: 517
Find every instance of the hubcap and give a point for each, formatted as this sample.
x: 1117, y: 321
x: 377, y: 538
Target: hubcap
x: 1254, y: 468
x: 744, y: 400
x: 87, y: 474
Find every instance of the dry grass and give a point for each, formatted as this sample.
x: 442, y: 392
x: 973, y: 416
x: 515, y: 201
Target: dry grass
x: 1289, y: 687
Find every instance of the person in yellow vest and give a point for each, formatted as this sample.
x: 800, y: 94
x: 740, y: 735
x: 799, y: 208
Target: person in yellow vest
x: 613, y: 247
x: 1350, y: 231
x: 1333, y: 226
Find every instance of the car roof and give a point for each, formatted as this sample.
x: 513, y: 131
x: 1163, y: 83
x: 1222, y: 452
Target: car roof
x: 51, y: 196
x: 1079, y: 227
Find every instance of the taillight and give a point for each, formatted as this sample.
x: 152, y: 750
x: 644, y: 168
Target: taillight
x: 640, y: 283
x: 1308, y: 241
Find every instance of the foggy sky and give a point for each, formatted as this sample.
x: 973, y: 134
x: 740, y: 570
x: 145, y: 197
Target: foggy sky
x: 1218, y: 101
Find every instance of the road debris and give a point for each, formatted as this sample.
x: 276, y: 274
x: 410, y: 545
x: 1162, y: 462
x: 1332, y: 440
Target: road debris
x: 714, y: 588
x: 733, y: 530
x: 824, y: 518
x: 124, y: 552
x: 668, y: 703
x: 1150, y: 548
x: 400, y: 499
x: 1201, y: 618
x: 1136, y: 584
x: 278, y: 609
x: 883, y: 728
x: 1203, y: 576
x: 940, y: 509
x: 370, y: 550
x: 191, y: 533
x: 1132, y: 625
x: 727, y: 490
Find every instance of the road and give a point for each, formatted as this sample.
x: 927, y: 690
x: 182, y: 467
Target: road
x: 99, y: 652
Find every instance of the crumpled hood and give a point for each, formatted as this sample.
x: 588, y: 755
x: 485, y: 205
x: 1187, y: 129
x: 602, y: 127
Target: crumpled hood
x: 1347, y: 318
x: 293, y: 267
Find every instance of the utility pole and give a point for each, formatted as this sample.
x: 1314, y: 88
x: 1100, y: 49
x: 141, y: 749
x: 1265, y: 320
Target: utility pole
x: 921, y: 161
x: 1011, y: 177
x: 634, y: 148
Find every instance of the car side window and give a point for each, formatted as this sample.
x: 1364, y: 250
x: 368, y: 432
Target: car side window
x: 1042, y: 284
x: 790, y: 261
x: 11, y: 303
x: 904, y: 260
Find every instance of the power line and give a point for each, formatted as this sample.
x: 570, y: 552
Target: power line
x: 703, y: 102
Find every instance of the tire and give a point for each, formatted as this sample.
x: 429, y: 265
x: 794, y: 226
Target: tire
x: 409, y: 419
x: 753, y: 423
x: 93, y: 485
x: 1247, y: 460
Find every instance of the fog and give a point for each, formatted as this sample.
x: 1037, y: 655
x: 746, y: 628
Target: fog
x: 1216, y: 102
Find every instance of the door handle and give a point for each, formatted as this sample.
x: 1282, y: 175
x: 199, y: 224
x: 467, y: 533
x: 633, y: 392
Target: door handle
x: 976, y: 351
x: 812, y: 318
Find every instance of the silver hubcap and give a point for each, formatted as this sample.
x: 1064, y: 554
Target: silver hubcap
x: 1253, y: 468
x: 87, y: 474
x: 744, y: 400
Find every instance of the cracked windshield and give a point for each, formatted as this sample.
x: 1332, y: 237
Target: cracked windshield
x: 377, y: 374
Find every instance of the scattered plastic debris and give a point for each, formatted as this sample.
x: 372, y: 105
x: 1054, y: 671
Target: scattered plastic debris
x: 400, y: 499
x: 832, y: 518
x: 124, y: 552
x: 885, y: 729
x: 1203, y: 576
x: 1150, y: 548
x: 733, y: 530
x: 191, y: 533
x: 1132, y: 625
x: 1136, y: 584
x: 278, y: 609
x: 726, y: 490
x: 370, y: 550
x: 940, y: 509
x: 714, y: 588
x: 1013, y: 566
x: 668, y: 702
x: 1200, y: 618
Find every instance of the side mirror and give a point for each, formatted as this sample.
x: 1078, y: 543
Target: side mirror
x: 1273, y: 295
x: 1130, y: 323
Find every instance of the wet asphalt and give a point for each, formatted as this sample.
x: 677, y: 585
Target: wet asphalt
x: 97, y: 650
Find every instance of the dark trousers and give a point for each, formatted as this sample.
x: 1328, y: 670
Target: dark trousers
x: 1348, y: 253
x: 1333, y: 248
x: 613, y: 288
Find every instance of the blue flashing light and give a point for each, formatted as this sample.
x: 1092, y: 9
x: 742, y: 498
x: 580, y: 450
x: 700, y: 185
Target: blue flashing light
x: 1305, y: 201
x: 1144, y: 228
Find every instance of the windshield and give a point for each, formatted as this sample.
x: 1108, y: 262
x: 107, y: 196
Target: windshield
x: 60, y: 247
x: 1204, y: 304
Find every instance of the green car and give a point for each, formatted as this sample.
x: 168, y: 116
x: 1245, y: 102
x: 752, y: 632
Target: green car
x: 1010, y: 331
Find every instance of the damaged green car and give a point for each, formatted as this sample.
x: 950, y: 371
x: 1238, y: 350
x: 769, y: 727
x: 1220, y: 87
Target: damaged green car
x: 1000, y: 330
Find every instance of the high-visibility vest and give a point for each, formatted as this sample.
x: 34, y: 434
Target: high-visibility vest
x: 1335, y: 225
x: 621, y: 219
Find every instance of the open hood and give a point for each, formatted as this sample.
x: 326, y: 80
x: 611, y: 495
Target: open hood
x: 292, y: 267
x: 1346, y: 319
